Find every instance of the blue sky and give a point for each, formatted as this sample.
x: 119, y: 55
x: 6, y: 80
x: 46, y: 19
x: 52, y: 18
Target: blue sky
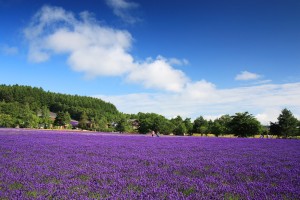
x: 172, y: 57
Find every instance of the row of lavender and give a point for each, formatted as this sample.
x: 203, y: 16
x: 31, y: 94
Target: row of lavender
x: 54, y: 165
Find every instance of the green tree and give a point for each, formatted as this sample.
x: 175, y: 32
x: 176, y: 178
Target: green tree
x: 102, y: 124
x: 157, y: 123
x: 224, y: 121
x: 180, y: 129
x: 200, y: 125
x: 244, y: 125
x: 209, y: 127
x: 216, y: 128
x: 45, y: 119
x: 220, y: 126
x: 28, y: 118
x: 145, y: 122
x: 123, y: 125
x: 179, y: 126
x: 189, y: 126
x: 275, y: 129
x: 6, y: 121
x: 62, y: 119
x: 166, y: 126
x: 177, y: 120
x: 83, y: 122
x: 288, y: 123
x: 154, y: 122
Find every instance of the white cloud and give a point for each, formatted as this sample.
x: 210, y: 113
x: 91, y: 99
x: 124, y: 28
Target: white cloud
x: 158, y: 74
x: 97, y: 50
x: 92, y: 48
x: 9, y: 50
x: 121, y: 8
x: 246, y: 76
x: 268, y: 115
x: 264, y: 101
x: 200, y: 90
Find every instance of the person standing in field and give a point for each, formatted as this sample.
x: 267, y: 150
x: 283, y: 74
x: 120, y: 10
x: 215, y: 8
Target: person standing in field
x: 154, y: 133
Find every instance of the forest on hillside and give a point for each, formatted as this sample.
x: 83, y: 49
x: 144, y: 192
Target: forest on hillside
x: 32, y: 107
x: 24, y: 105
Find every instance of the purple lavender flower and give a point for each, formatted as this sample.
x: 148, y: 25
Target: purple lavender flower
x: 36, y: 164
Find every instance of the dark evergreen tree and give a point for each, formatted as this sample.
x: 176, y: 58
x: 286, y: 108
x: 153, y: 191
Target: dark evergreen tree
x: 288, y: 123
x: 275, y: 129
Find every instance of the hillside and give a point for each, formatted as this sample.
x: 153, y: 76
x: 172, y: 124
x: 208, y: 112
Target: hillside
x: 37, y: 99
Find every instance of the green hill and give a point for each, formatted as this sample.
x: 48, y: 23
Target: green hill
x: 16, y: 99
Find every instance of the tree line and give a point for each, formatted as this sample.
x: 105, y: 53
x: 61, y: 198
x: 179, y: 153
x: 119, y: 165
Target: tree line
x: 30, y: 107
x: 240, y: 125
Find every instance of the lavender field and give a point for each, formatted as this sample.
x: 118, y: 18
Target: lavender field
x: 70, y: 165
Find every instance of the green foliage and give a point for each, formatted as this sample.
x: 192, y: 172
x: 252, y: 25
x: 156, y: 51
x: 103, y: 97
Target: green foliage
x: 220, y: 126
x: 167, y: 127
x: 189, y: 126
x: 101, y: 124
x: 275, y: 129
x: 15, y: 114
x: 244, y: 125
x: 177, y: 120
x: 6, y: 121
x: 287, y: 125
x: 153, y: 122
x: 179, y: 126
x: 24, y: 103
x: 74, y: 104
x: 200, y: 125
x: 145, y: 121
x: 62, y: 119
x: 45, y: 120
x: 216, y: 128
x: 180, y: 129
x: 123, y: 125
x: 83, y: 122
x: 28, y: 118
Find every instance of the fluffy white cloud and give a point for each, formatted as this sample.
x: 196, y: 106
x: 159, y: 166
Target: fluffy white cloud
x: 269, y: 114
x: 97, y: 50
x: 246, y: 76
x: 158, y: 74
x: 92, y: 48
x: 264, y: 101
x: 121, y: 8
